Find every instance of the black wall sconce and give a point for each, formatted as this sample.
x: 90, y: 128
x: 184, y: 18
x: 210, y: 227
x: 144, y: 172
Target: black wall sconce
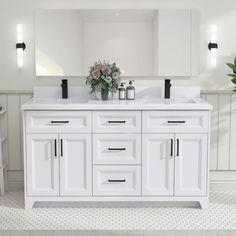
x: 21, y: 46
x: 212, y: 46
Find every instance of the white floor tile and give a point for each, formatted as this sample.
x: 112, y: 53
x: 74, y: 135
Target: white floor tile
x: 221, y: 214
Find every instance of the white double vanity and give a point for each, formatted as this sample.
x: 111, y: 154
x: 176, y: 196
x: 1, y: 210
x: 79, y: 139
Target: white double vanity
x: 145, y: 150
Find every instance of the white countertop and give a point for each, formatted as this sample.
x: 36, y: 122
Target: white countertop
x: 138, y: 104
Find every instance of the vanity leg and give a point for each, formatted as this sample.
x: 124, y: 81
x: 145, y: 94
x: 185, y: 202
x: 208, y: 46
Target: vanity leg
x: 204, y: 203
x: 29, y: 204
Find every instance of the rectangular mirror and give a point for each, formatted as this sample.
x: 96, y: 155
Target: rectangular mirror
x: 68, y: 42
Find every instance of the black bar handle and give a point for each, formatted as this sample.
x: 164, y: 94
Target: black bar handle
x: 59, y: 121
x: 171, y: 147
x: 176, y: 121
x: 116, y: 180
x: 116, y: 121
x: 55, y: 147
x: 177, y: 154
x: 116, y: 149
x: 61, y: 147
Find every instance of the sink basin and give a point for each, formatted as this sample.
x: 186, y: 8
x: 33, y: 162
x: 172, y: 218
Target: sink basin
x: 169, y: 101
x: 60, y: 101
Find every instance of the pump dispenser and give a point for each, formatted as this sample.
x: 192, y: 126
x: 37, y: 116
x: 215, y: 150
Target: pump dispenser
x: 130, y: 91
x: 122, y: 91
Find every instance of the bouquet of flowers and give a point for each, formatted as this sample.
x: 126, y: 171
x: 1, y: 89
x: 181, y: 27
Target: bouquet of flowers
x: 103, y: 77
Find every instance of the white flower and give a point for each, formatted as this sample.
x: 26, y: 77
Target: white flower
x: 115, y: 75
x: 108, y: 79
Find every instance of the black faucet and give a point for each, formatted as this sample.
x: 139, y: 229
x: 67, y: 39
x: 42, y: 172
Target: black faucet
x: 167, y: 88
x: 64, y: 86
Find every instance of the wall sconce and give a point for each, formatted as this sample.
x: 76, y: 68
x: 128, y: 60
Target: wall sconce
x: 20, y: 45
x: 213, y: 46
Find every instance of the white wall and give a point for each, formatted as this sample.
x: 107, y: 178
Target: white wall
x: 222, y: 13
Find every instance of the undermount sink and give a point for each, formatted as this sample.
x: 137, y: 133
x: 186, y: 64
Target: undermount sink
x: 170, y: 101
x: 60, y: 101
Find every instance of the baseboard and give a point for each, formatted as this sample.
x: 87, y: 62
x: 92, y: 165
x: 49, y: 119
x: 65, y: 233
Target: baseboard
x: 15, y: 186
x: 223, y: 186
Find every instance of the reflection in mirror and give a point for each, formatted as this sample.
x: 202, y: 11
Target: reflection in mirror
x: 68, y: 42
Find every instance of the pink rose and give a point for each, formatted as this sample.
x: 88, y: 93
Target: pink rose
x: 95, y: 73
x: 106, y: 70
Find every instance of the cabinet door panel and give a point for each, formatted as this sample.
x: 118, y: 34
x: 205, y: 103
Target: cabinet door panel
x: 42, y: 165
x: 157, y: 165
x: 75, y: 165
x: 191, y: 165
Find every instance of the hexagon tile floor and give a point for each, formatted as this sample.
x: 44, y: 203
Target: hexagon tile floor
x: 221, y: 214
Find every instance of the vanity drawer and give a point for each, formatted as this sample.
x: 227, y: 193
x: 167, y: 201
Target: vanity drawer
x: 117, y: 149
x: 58, y: 122
x: 117, y: 122
x: 116, y: 180
x: 175, y: 122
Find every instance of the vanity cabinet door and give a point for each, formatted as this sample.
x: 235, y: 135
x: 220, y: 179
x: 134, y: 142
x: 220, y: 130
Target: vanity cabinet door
x: 191, y: 164
x: 158, y: 165
x: 42, y: 165
x: 75, y: 164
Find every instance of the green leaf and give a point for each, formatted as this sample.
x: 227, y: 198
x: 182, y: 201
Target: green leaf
x: 232, y: 66
x: 233, y: 81
x: 232, y: 75
x: 235, y: 61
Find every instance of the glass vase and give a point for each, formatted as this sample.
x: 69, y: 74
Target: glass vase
x: 103, y: 94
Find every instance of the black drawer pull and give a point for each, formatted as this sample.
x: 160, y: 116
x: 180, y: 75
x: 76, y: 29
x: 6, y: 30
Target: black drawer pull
x: 176, y: 121
x: 116, y: 149
x: 116, y: 121
x: 59, y: 122
x: 116, y: 180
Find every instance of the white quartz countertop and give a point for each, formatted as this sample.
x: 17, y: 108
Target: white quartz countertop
x: 138, y: 104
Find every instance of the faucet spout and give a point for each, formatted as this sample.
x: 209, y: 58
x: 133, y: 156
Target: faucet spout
x: 167, y: 88
x: 64, y: 86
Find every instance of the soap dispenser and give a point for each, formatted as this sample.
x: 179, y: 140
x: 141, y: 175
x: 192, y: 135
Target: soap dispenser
x: 122, y: 91
x: 130, y: 91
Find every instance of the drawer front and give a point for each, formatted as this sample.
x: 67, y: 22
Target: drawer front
x: 175, y: 122
x: 117, y: 149
x: 116, y: 180
x: 58, y: 122
x: 117, y: 122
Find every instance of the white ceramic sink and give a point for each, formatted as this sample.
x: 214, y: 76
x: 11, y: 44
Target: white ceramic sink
x: 59, y: 101
x: 169, y: 101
